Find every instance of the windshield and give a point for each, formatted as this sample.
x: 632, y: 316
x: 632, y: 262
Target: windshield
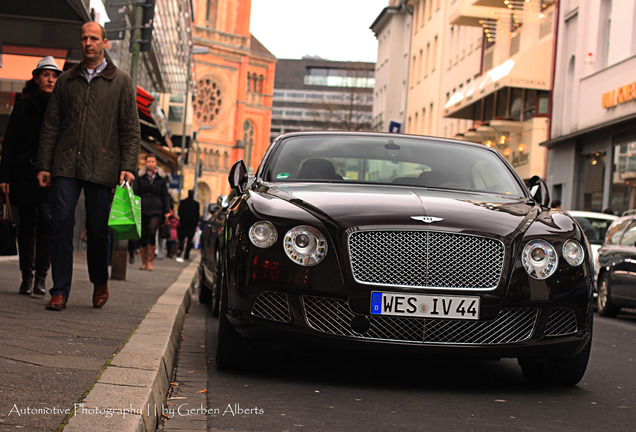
x: 594, y: 228
x: 396, y: 161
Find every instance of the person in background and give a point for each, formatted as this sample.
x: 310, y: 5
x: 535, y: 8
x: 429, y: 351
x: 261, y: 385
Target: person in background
x: 173, y: 242
x: 89, y: 141
x: 189, y: 214
x: 18, y: 177
x: 152, y: 188
x: 556, y: 204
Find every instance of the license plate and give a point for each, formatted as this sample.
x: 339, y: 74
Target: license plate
x: 425, y: 305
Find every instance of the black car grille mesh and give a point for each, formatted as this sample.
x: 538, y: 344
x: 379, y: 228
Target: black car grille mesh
x: 333, y: 316
x: 272, y: 306
x: 426, y: 259
x: 562, y: 321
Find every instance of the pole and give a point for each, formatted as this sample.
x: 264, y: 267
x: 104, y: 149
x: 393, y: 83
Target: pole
x: 136, y: 42
x: 197, y: 172
x: 185, y: 119
x: 119, y: 256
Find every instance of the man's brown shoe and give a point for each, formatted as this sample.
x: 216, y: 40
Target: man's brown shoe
x: 100, y: 295
x: 57, y: 303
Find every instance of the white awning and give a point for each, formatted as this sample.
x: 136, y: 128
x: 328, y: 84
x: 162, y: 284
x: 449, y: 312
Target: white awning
x: 530, y: 69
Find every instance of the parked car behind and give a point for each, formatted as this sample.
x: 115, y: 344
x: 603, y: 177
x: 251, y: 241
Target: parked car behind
x: 209, y: 267
x: 398, y: 242
x: 617, y: 267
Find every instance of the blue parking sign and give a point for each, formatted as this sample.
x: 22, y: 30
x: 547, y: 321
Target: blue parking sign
x: 395, y: 127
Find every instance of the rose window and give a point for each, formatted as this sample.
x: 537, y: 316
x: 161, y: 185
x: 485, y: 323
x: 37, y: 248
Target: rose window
x: 207, y: 104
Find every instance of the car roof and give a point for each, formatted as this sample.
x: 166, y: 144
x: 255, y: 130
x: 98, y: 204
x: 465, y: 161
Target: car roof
x: 594, y: 215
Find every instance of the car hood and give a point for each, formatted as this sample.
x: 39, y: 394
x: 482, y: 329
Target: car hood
x: 377, y: 207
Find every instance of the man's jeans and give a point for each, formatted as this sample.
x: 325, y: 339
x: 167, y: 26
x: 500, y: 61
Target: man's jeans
x: 97, y: 199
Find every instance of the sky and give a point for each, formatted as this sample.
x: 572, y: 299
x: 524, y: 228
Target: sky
x: 331, y: 29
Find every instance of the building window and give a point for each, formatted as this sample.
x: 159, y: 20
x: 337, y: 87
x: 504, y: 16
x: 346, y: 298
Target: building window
x: 332, y: 77
x: 516, y: 100
x: 623, y: 193
x: 210, y: 12
x: 530, y: 104
x: 604, y: 29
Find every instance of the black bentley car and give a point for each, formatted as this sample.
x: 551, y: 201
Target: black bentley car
x: 398, y: 242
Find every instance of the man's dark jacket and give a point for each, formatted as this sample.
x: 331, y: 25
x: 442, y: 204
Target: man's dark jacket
x: 91, y: 130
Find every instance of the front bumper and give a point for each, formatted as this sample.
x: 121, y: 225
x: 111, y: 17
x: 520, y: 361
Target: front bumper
x: 293, y: 319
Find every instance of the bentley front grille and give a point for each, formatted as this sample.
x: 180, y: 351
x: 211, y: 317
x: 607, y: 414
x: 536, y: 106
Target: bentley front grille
x: 562, y: 322
x: 272, y: 306
x: 334, y: 316
x: 426, y: 259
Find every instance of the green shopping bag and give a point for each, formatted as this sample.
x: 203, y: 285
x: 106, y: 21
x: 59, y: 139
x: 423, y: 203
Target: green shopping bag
x: 125, y: 214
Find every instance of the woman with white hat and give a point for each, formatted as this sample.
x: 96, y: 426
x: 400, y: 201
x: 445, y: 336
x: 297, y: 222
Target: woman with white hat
x: 18, y: 177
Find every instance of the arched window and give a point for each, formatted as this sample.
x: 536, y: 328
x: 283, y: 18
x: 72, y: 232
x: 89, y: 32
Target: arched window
x: 248, y: 142
x: 226, y: 160
x: 261, y: 83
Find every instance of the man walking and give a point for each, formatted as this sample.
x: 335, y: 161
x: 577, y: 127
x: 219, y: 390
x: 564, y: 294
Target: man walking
x: 89, y: 140
x: 189, y: 219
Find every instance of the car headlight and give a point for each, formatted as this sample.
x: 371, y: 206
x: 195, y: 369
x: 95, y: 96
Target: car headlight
x: 539, y: 259
x: 573, y: 252
x: 305, y: 245
x: 263, y: 234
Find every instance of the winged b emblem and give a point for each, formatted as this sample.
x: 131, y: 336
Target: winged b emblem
x: 427, y: 219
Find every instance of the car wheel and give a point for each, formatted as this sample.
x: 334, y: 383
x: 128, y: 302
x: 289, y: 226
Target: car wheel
x: 556, y: 371
x: 230, y: 346
x: 605, y: 306
x: 216, y: 288
x: 205, y: 295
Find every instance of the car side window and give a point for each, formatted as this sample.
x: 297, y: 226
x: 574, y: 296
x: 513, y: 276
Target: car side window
x: 629, y: 238
x: 615, y: 232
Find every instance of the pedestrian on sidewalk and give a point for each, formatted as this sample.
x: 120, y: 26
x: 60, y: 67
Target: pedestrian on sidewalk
x: 189, y: 214
x: 18, y: 177
x: 173, y: 242
x: 89, y: 141
x: 152, y: 188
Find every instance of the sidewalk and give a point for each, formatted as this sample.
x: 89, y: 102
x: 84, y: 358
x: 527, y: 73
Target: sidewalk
x: 112, y: 365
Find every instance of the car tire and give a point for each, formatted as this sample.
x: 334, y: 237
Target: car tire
x: 605, y: 306
x: 562, y: 372
x: 205, y: 294
x: 230, y: 346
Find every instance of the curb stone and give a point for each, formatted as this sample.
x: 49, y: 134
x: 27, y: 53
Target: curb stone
x: 130, y: 393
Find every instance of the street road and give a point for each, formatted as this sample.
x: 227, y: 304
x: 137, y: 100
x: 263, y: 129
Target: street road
x: 317, y: 391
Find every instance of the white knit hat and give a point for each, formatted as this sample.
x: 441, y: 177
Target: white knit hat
x: 46, y: 63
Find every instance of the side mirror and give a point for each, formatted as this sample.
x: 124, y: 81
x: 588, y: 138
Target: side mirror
x: 222, y: 202
x: 238, y: 176
x: 539, y: 190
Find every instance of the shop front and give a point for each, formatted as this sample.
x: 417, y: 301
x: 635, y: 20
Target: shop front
x: 594, y: 168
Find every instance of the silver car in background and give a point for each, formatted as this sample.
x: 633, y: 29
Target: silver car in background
x: 594, y: 226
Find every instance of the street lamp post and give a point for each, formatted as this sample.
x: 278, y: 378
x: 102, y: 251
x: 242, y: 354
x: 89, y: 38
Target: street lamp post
x: 194, y: 50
